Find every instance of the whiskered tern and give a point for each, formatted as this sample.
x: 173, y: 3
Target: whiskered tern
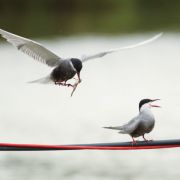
x: 141, y: 124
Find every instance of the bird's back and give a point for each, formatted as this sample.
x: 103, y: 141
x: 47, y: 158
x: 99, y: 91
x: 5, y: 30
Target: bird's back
x: 130, y: 126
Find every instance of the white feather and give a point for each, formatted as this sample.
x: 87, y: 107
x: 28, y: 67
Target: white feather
x: 32, y: 48
x: 85, y: 58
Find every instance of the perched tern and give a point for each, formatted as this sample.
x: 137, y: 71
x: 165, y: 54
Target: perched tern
x: 64, y: 68
x: 141, y: 124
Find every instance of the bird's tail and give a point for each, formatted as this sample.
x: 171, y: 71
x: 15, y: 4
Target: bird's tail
x: 119, y: 128
x: 114, y: 127
x: 44, y: 80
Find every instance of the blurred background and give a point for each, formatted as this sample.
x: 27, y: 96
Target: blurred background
x: 45, y: 18
x: 109, y: 94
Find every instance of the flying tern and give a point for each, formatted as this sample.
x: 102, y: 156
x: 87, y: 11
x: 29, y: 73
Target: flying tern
x: 63, y: 68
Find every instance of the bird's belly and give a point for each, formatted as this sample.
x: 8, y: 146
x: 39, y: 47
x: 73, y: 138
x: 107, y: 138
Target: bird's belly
x: 143, y: 128
x: 60, y: 75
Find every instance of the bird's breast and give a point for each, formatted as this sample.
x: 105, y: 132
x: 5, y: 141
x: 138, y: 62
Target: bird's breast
x: 146, y: 125
x: 63, y: 72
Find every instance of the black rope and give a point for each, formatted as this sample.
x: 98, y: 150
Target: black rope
x: 95, y: 146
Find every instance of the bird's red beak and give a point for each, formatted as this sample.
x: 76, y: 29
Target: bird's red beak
x: 153, y: 105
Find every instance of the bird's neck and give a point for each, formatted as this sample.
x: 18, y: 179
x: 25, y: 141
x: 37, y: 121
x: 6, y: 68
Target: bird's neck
x: 146, y: 110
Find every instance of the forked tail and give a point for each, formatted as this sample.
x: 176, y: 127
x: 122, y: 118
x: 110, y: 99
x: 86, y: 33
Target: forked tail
x: 115, y: 127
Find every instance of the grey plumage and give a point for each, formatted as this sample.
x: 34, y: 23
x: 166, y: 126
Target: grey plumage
x: 32, y: 48
x: 140, y: 125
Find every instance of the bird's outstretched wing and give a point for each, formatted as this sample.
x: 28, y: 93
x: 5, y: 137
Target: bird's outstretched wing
x: 85, y: 58
x: 32, y: 48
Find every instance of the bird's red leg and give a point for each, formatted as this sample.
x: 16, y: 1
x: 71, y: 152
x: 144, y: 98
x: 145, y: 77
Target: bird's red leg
x: 134, y: 141
x: 74, y: 86
x: 68, y: 85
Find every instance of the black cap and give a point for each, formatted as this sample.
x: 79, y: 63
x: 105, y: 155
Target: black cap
x: 144, y: 101
x: 77, y: 64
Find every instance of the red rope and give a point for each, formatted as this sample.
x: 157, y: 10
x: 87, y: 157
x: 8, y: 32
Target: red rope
x: 83, y: 147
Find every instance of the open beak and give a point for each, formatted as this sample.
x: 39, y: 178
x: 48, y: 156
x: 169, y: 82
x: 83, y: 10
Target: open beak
x: 153, y: 105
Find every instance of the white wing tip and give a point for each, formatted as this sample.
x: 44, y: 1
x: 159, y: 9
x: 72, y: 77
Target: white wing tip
x: 159, y: 35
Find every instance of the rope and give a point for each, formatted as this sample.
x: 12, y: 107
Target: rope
x: 174, y: 143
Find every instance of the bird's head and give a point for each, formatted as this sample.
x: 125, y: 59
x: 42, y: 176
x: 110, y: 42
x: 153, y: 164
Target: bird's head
x: 147, y: 103
x: 77, y: 64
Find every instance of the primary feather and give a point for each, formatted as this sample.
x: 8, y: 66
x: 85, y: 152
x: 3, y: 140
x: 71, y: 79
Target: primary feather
x: 126, y: 128
x: 85, y: 58
x: 32, y: 48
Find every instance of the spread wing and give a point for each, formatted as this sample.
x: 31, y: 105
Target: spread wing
x: 32, y: 48
x: 101, y: 54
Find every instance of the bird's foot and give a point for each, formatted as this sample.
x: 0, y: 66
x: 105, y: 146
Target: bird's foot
x: 69, y: 85
x: 64, y: 84
x: 134, y: 142
x: 147, y: 140
x: 59, y: 83
x: 74, y: 86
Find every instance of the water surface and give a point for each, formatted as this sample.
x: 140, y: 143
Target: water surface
x: 108, y: 95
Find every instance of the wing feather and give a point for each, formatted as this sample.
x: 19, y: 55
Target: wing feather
x: 32, y: 48
x: 126, y: 128
x: 130, y: 126
x: 85, y: 58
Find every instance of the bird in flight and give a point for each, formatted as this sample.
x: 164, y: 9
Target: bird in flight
x: 64, y: 69
x: 140, y: 125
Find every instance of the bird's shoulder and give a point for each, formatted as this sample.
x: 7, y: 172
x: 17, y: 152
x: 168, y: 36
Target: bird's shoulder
x: 132, y: 124
x: 66, y: 63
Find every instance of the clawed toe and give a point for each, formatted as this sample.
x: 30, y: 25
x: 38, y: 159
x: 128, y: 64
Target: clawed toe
x: 63, y: 84
x: 134, y: 142
x: 147, y: 140
x: 74, y: 86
